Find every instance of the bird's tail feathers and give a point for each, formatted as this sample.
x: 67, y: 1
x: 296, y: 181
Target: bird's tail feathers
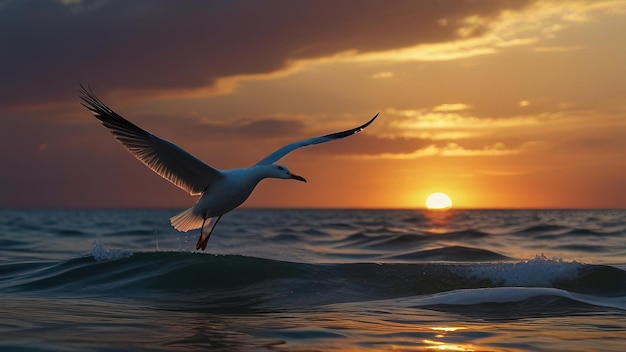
x: 187, y: 220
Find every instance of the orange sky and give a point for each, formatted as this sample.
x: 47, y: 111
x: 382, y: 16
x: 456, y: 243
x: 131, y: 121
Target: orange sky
x: 500, y: 104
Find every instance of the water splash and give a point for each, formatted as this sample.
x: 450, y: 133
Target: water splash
x: 101, y: 254
x: 539, y: 271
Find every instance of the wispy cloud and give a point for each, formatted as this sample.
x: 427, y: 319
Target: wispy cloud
x: 450, y: 119
x: 451, y: 107
x: 450, y: 150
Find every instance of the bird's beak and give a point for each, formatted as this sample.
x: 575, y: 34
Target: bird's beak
x: 299, y: 178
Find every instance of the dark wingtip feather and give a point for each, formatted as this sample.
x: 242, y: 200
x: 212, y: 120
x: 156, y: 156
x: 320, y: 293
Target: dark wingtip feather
x: 369, y: 122
x: 351, y: 131
x: 109, y: 118
x: 91, y: 101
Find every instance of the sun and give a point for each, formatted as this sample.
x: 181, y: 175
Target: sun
x: 438, y: 201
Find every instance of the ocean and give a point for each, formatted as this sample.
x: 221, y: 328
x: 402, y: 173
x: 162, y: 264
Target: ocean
x: 314, y: 280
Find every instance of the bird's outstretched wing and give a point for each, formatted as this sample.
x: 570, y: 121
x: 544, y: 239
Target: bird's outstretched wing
x: 163, y: 157
x: 275, y: 156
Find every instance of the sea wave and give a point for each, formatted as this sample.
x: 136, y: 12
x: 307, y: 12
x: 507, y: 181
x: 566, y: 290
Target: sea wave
x: 521, y: 295
x: 451, y: 253
x: 212, y: 282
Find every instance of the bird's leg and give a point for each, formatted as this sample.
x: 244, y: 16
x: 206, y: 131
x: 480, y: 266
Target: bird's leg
x: 204, y: 237
x: 198, y: 245
x: 203, y: 222
x: 201, y: 238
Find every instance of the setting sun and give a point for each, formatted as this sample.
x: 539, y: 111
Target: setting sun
x: 438, y: 201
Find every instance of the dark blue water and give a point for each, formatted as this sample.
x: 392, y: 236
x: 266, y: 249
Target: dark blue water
x: 314, y: 280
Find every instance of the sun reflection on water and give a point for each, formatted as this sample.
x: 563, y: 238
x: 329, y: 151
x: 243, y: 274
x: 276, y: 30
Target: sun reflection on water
x: 445, y: 346
x: 442, y: 346
x: 439, y: 221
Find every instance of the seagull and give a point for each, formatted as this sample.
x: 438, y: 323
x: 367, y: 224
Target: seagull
x: 220, y: 191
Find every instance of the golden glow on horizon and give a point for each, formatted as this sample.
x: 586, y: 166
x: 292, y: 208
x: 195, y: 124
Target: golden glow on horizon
x: 438, y: 201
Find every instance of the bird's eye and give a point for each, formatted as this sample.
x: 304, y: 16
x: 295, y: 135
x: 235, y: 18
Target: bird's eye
x: 281, y: 168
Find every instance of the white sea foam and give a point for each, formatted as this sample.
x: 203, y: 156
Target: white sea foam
x: 539, y: 271
x: 101, y: 254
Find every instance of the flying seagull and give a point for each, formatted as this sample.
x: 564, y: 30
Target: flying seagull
x: 221, y: 190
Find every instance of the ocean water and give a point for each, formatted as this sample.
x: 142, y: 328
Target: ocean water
x: 314, y: 280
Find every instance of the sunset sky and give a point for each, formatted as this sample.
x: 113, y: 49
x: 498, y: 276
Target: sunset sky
x: 499, y: 104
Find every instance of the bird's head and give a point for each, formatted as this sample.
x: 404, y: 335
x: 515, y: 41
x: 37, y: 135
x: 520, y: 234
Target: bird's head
x: 281, y: 171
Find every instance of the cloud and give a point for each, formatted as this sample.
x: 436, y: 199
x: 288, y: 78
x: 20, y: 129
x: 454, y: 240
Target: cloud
x: 162, y: 46
x: 439, y: 118
x: 449, y: 150
x: 479, y: 35
x: 451, y: 107
x: 497, y: 149
x: 207, y: 47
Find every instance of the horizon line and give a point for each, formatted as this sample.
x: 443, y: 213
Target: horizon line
x: 312, y: 208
